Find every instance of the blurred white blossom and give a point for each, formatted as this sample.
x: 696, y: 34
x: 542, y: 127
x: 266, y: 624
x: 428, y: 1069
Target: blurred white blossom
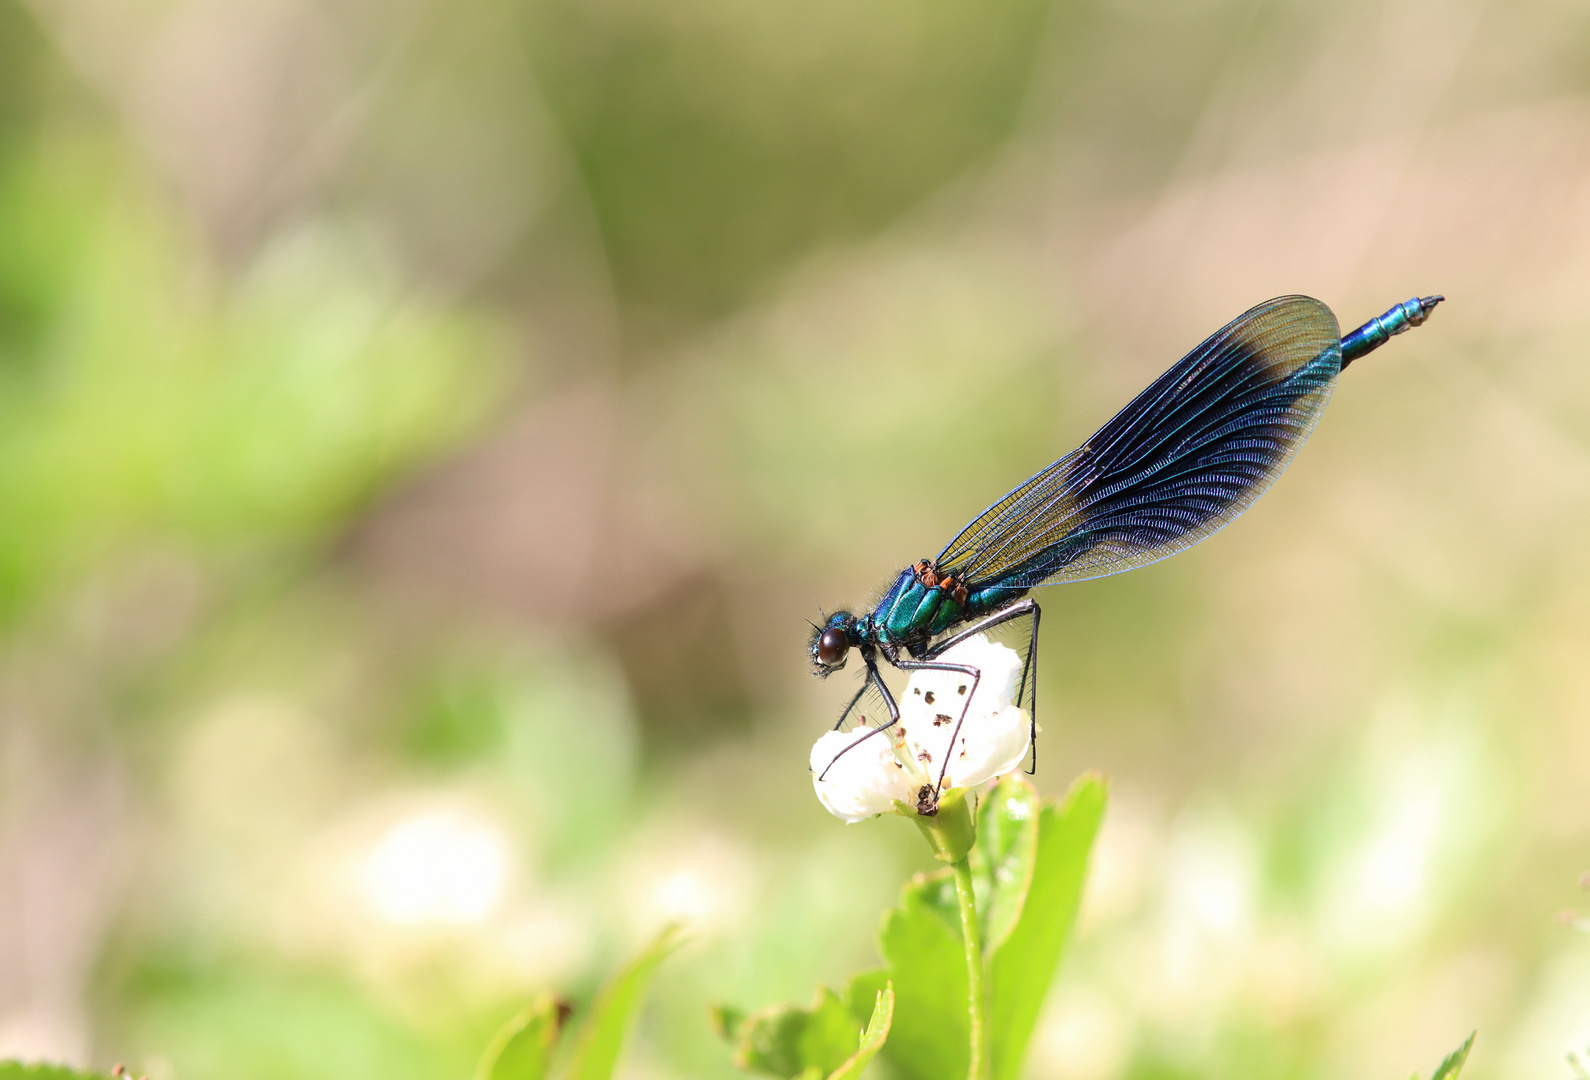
x: 436, y: 867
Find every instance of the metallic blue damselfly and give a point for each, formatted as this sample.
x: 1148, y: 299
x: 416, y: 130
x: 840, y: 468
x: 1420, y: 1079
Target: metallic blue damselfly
x: 1184, y: 458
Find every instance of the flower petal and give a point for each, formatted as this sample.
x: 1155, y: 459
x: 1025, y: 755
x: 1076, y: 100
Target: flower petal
x: 996, y: 747
x: 933, y: 705
x: 862, y: 783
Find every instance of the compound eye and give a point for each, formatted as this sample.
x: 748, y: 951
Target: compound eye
x: 832, y: 647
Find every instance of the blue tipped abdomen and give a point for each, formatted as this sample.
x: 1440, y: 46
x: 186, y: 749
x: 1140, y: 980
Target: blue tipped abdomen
x: 1381, y: 329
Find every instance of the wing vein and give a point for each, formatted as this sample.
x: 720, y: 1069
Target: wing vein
x: 1188, y: 454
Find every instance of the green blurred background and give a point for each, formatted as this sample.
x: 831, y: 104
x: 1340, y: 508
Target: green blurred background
x: 425, y: 428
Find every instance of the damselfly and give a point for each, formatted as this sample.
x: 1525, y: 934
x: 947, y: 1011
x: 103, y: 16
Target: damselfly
x: 1185, y: 457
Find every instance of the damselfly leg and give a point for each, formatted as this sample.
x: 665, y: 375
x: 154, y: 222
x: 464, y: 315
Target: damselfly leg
x: 1026, y: 693
x: 873, y: 679
x: 866, y: 684
x: 1024, y: 608
x: 968, y: 692
x: 876, y: 679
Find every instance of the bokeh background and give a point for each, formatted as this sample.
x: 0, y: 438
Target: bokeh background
x: 425, y: 428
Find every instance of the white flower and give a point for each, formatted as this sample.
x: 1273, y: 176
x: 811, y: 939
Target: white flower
x: 862, y: 783
x: 993, y: 737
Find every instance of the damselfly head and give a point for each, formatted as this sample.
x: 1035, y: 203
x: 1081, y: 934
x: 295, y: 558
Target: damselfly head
x: 831, y: 642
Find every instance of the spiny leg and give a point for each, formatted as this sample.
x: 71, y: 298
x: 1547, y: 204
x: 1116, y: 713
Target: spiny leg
x: 853, y: 701
x: 1015, y: 610
x: 1032, y: 665
x: 873, y: 678
x: 965, y: 669
x: 1019, y: 609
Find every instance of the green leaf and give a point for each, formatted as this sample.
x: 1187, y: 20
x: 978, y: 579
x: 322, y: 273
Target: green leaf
x: 921, y: 942
x: 788, y: 1041
x: 1454, y: 1061
x: 1023, y: 966
x: 862, y: 992
x: 726, y: 1021
x: 15, y: 1070
x: 522, y: 1050
x: 602, y: 1035
x: 1005, y: 855
x: 872, y: 1039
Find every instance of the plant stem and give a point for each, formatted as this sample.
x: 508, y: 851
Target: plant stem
x: 976, y: 1003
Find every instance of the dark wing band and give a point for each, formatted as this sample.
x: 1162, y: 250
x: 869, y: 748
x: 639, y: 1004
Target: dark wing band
x: 1188, y: 454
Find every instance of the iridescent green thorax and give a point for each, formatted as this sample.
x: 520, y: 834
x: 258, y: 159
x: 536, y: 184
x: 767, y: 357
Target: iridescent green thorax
x: 921, y: 605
